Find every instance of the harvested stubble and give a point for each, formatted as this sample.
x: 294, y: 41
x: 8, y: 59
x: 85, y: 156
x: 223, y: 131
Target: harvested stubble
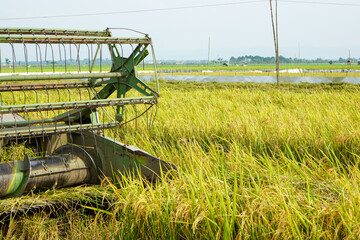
x: 255, y: 161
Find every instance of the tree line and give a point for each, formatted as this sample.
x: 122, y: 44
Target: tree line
x: 263, y: 60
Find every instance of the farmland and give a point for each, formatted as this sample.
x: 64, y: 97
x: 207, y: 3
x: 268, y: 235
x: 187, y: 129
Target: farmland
x: 310, y: 70
x: 254, y: 160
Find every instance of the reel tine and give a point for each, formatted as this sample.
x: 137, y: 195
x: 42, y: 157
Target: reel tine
x: 53, y: 58
x: 89, y: 56
x: 46, y: 52
x: 41, y: 64
x: 13, y: 56
x: 26, y: 58
x: 65, y: 56
x: 122, y: 53
x: 79, y: 93
x: 23, y: 90
x: 78, y: 57
x: 100, y: 58
x: 92, y: 52
x: 13, y: 96
x: 60, y: 51
x: 70, y: 53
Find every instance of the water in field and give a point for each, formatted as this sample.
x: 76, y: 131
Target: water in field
x: 254, y: 79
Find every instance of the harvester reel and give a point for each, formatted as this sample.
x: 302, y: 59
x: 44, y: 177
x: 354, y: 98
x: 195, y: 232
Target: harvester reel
x: 69, y: 110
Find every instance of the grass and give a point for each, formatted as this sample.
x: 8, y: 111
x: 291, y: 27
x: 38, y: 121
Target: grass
x: 255, y: 162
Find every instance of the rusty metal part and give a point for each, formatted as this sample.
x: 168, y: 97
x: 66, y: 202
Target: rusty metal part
x: 43, y: 86
x: 57, y: 32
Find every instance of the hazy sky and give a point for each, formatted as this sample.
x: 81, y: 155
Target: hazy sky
x: 327, y: 31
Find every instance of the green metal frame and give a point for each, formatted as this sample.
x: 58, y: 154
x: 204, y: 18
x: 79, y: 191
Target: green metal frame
x: 122, y: 77
x: 80, y: 125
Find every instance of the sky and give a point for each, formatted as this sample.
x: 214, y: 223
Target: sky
x: 242, y: 27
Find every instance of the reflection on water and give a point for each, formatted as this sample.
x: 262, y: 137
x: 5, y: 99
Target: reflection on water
x: 255, y: 79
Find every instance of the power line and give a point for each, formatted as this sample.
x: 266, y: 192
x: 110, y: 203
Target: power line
x: 176, y: 8
x: 322, y: 3
x: 134, y: 11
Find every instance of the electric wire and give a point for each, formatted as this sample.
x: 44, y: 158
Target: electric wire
x: 178, y: 8
x: 134, y: 11
x: 321, y: 3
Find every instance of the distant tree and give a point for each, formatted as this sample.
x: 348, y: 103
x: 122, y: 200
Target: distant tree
x: 7, y: 61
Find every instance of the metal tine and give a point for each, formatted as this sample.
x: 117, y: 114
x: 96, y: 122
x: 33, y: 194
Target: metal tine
x: 114, y: 131
x: 48, y: 98
x: 46, y: 51
x: 52, y: 54
x: 70, y: 135
x: 49, y: 142
x: 89, y: 56
x: 147, y: 116
x: 26, y: 58
x: 79, y: 93
x: 28, y: 117
x: 13, y: 56
x: 59, y: 99
x: 68, y: 89
x: 92, y: 51
x: 98, y: 132
x: 94, y: 57
x: 13, y: 96
x: 81, y: 130
x: 153, y: 116
x: 155, y: 68
x: 41, y: 65
x: 60, y: 52
x: 88, y: 90
x: 100, y: 58
x: 70, y: 54
x: 42, y: 125
x: 36, y: 53
x: 65, y: 56
x: 23, y: 90
x: 78, y: 56
x: 36, y: 95
x: 136, y: 115
x: 122, y: 54
x: 132, y: 48
x: 125, y: 125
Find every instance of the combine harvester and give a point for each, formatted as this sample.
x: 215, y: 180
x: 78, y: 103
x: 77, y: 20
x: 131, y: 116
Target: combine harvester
x: 61, y: 109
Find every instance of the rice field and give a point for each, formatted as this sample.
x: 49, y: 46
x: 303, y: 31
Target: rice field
x: 255, y: 162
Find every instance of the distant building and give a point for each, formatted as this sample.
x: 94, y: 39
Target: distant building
x: 226, y: 64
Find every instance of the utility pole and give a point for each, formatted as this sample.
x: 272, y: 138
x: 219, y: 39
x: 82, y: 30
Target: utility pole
x: 275, y: 28
x: 350, y: 61
x: 299, y: 49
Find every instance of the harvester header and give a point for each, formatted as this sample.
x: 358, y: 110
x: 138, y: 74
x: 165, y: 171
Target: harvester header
x: 65, y: 97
